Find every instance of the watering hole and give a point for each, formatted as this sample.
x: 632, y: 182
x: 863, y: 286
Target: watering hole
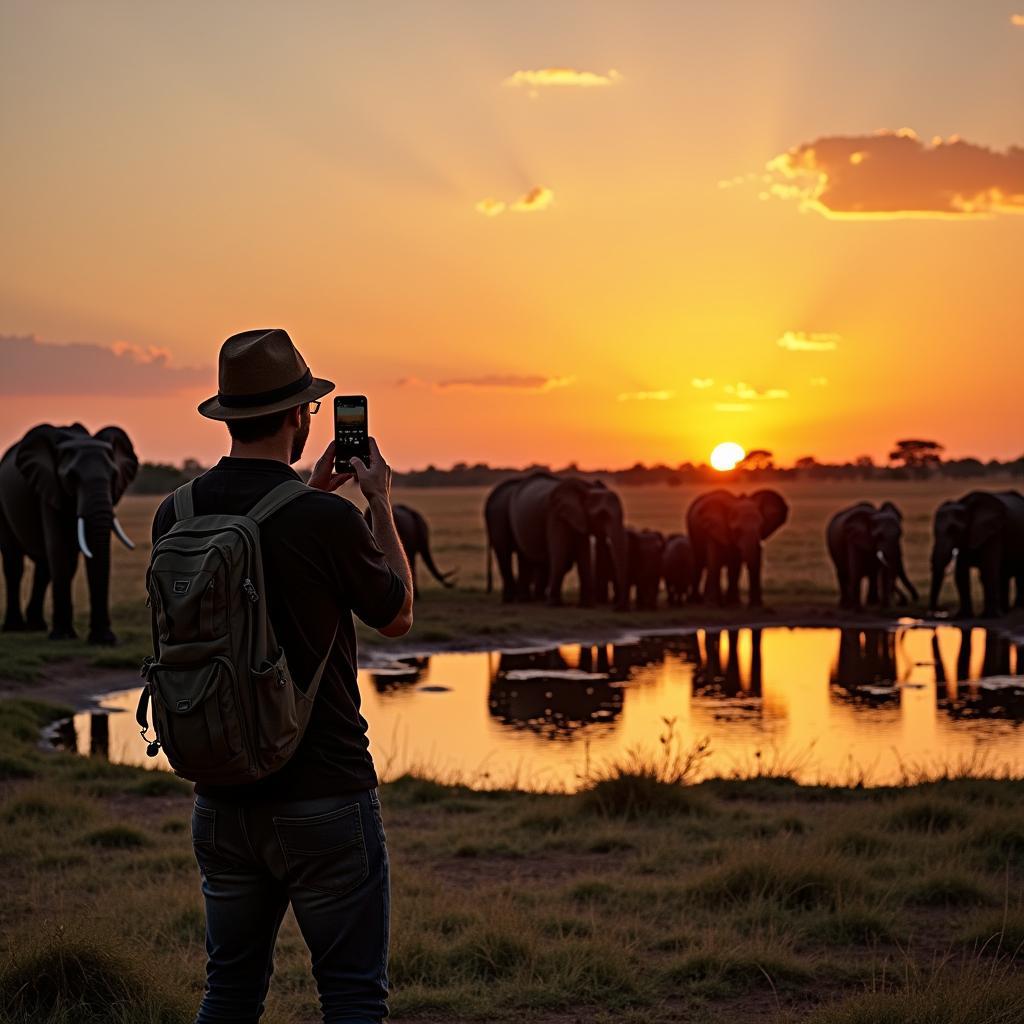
x: 849, y: 705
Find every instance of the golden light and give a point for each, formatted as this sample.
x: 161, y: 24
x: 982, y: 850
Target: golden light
x: 726, y: 455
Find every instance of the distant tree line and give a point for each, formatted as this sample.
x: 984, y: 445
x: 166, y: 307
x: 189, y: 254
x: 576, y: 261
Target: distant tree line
x: 910, y: 459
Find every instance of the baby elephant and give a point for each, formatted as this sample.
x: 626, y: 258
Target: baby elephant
x: 645, y: 553
x: 865, y: 544
x: 677, y: 567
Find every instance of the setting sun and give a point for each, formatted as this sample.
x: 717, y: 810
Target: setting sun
x: 726, y: 455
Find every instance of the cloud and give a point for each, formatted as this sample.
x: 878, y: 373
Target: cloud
x: 542, y: 78
x: 491, y: 207
x: 526, y: 382
x: 645, y: 396
x: 819, y: 382
x: 702, y: 383
x: 32, y: 367
x: 538, y: 198
x: 896, y: 174
x: 746, y: 393
x: 801, y: 341
x: 732, y: 407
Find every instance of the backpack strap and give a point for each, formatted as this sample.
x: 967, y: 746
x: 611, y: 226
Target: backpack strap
x: 276, y: 499
x: 183, y: 507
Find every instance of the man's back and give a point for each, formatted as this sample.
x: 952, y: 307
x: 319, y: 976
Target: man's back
x: 321, y: 564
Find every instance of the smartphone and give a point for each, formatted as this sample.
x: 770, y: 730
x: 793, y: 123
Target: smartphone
x: 351, y: 432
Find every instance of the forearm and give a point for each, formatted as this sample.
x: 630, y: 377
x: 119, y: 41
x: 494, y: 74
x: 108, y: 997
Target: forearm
x: 386, y: 536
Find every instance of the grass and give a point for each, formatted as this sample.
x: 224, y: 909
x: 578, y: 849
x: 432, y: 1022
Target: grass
x: 643, y: 897
x: 799, y: 577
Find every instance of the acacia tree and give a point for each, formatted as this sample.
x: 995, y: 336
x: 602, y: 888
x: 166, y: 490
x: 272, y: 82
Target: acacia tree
x: 759, y: 458
x: 916, y: 456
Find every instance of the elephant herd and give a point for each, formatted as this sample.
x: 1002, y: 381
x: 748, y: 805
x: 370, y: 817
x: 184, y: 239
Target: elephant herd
x: 541, y: 526
x: 59, y: 487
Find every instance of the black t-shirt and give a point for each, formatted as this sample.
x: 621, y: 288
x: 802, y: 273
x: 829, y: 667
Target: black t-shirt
x: 320, y: 565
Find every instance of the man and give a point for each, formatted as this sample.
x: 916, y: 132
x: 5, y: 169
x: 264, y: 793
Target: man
x: 310, y: 834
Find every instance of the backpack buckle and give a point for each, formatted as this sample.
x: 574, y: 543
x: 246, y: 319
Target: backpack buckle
x: 250, y: 590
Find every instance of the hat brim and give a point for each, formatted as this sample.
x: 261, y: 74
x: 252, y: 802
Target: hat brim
x: 213, y: 410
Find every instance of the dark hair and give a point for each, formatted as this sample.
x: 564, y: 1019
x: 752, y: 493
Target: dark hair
x: 256, y: 428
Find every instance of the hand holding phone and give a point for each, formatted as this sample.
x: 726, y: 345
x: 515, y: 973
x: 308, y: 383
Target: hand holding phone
x: 351, y: 432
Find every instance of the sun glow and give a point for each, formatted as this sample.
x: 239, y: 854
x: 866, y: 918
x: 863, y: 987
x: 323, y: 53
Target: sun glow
x: 726, y: 455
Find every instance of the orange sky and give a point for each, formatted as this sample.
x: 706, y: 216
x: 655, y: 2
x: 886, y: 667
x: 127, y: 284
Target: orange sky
x: 505, y: 259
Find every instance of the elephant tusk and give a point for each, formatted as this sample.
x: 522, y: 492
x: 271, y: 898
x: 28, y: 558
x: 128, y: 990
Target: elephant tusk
x: 81, y: 538
x: 881, y: 557
x: 122, y: 536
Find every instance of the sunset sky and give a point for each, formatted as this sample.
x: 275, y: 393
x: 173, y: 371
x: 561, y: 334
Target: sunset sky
x: 600, y: 232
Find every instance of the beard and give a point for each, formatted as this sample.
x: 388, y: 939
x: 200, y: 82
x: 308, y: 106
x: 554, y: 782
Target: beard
x: 299, y: 440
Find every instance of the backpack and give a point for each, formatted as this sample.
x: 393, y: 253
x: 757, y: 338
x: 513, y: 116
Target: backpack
x: 225, y: 707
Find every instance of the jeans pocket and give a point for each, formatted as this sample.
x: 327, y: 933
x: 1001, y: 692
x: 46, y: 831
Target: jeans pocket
x: 326, y: 852
x: 204, y: 841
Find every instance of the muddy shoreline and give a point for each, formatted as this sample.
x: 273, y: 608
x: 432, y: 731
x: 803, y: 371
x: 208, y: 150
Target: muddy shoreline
x: 79, y: 685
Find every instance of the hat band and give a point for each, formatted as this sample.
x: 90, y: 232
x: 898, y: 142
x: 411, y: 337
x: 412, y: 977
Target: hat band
x: 267, y: 397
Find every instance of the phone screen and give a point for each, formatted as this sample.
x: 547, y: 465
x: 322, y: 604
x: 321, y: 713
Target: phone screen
x: 351, y: 431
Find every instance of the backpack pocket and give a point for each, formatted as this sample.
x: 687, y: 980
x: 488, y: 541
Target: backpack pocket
x: 197, y: 721
x: 282, y: 711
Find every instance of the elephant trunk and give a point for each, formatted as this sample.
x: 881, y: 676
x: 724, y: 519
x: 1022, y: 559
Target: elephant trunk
x: 95, y: 523
x: 941, y: 557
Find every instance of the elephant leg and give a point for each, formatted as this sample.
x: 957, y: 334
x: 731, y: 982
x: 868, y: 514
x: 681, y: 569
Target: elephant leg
x: 560, y: 559
x: 733, y: 566
x: 503, y: 556
x: 991, y: 582
x: 754, y: 578
x: 873, y: 589
x: 34, y: 612
x: 963, y: 589
x: 62, y: 558
x: 14, y: 567
x: 854, y: 574
x: 843, y: 579
x: 713, y: 583
x: 585, y: 571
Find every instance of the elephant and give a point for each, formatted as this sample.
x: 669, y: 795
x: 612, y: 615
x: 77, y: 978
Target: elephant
x: 866, y: 543
x: 983, y: 530
x: 645, y: 548
x: 726, y: 531
x: 677, y: 567
x: 58, y: 489
x: 547, y: 522
x: 501, y: 540
x: 414, y: 534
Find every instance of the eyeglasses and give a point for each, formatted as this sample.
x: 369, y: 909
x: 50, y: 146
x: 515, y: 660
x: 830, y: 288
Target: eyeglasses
x: 314, y: 408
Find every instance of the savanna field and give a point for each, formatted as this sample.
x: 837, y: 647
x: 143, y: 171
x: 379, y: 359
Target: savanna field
x: 645, y: 896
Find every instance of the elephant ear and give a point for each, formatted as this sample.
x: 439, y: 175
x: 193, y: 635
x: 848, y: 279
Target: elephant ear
x: 888, y: 506
x: 37, y: 461
x: 125, y: 459
x: 986, y: 516
x: 567, y: 504
x: 774, y: 511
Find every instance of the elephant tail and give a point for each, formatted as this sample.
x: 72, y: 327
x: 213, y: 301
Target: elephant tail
x: 444, y: 578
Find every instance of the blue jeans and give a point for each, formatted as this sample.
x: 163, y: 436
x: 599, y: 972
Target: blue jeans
x: 328, y: 858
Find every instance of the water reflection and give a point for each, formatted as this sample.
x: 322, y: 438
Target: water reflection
x: 824, y: 703
x: 543, y: 692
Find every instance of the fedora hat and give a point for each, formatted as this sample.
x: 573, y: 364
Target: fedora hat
x: 260, y: 372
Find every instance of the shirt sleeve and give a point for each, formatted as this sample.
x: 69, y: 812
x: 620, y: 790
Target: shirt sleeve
x: 163, y: 520
x: 371, y: 588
